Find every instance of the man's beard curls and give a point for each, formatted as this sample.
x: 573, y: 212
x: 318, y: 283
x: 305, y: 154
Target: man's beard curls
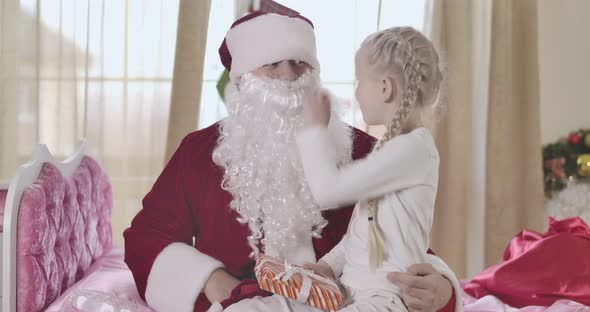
x: 263, y: 173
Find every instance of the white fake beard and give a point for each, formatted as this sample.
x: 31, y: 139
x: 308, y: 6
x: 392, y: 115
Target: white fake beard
x: 263, y: 172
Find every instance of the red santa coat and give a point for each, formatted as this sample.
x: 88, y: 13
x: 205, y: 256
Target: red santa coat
x: 187, y: 201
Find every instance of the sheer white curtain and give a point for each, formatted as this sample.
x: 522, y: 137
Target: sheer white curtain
x: 99, y: 69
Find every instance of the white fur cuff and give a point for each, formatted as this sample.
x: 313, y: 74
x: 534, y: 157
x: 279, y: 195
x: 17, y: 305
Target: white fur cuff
x: 177, y: 277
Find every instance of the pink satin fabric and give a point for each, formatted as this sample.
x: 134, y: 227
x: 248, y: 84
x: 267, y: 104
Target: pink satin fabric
x: 540, y: 269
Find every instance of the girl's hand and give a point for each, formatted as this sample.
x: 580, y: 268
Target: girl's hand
x: 316, y: 108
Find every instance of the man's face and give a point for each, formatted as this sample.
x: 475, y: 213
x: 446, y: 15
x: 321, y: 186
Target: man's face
x: 289, y: 70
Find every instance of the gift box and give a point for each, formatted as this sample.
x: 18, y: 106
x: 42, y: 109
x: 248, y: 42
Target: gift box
x: 297, y: 283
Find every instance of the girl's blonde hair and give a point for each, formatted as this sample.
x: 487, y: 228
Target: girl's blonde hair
x: 408, y: 54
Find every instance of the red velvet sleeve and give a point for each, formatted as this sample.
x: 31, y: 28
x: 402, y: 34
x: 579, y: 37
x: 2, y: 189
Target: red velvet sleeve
x: 164, y: 219
x: 450, y: 307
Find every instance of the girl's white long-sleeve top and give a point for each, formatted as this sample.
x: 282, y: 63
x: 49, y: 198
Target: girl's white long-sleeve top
x: 403, y: 173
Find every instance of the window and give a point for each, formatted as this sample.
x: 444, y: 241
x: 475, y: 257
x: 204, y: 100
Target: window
x: 100, y: 69
x: 220, y: 19
x: 340, y: 26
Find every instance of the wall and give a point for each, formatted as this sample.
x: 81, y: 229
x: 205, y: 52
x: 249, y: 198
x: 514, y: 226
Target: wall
x: 564, y: 58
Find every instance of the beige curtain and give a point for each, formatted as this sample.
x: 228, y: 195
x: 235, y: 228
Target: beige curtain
x: 99, y: 69
x: 452, y: 36
x: 191, y: 41
x: 490, y: 184
x: 514, y: 168
x: 9, y: 17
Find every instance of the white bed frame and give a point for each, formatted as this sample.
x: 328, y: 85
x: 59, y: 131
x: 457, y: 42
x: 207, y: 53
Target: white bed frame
x: 25, y: 176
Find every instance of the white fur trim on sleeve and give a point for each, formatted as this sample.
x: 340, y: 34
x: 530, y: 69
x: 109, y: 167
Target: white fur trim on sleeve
x: 215, y: 307
x: 444, y: 269
x: 177, y: 277
x: 268, y: 39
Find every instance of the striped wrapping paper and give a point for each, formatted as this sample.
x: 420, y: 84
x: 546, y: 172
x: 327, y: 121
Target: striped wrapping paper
x: 324, y: 293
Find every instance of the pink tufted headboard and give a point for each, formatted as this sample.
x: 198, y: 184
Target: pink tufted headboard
x: 63, y: 227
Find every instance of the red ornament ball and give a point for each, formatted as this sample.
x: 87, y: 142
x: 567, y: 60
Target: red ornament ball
x: 574, y: 138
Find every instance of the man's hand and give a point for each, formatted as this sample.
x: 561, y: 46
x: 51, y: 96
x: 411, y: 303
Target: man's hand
x: 321, y: 267
x: 220, y: 285
x: 316, y: 108
x: 423, y: 288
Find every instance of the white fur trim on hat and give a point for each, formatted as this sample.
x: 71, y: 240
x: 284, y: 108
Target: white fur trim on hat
x: 267, y: 39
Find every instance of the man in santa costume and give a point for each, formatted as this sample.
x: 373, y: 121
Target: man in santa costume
x: 237, y: 189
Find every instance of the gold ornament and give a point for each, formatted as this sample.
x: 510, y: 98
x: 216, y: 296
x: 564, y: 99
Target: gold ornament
x: 587, y: 139
x: 584, y: 165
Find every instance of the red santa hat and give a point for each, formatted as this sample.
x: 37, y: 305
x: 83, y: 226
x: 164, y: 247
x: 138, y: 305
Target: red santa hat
x: 261, y: 38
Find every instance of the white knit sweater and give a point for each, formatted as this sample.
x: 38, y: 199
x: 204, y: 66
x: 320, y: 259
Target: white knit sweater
x: 404, y: 175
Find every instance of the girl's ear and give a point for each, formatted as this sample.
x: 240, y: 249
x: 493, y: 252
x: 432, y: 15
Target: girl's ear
x: 389, y: 89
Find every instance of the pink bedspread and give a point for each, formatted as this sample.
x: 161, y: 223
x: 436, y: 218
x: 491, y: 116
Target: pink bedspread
x: 490, y: 303
x: 108, y: 286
